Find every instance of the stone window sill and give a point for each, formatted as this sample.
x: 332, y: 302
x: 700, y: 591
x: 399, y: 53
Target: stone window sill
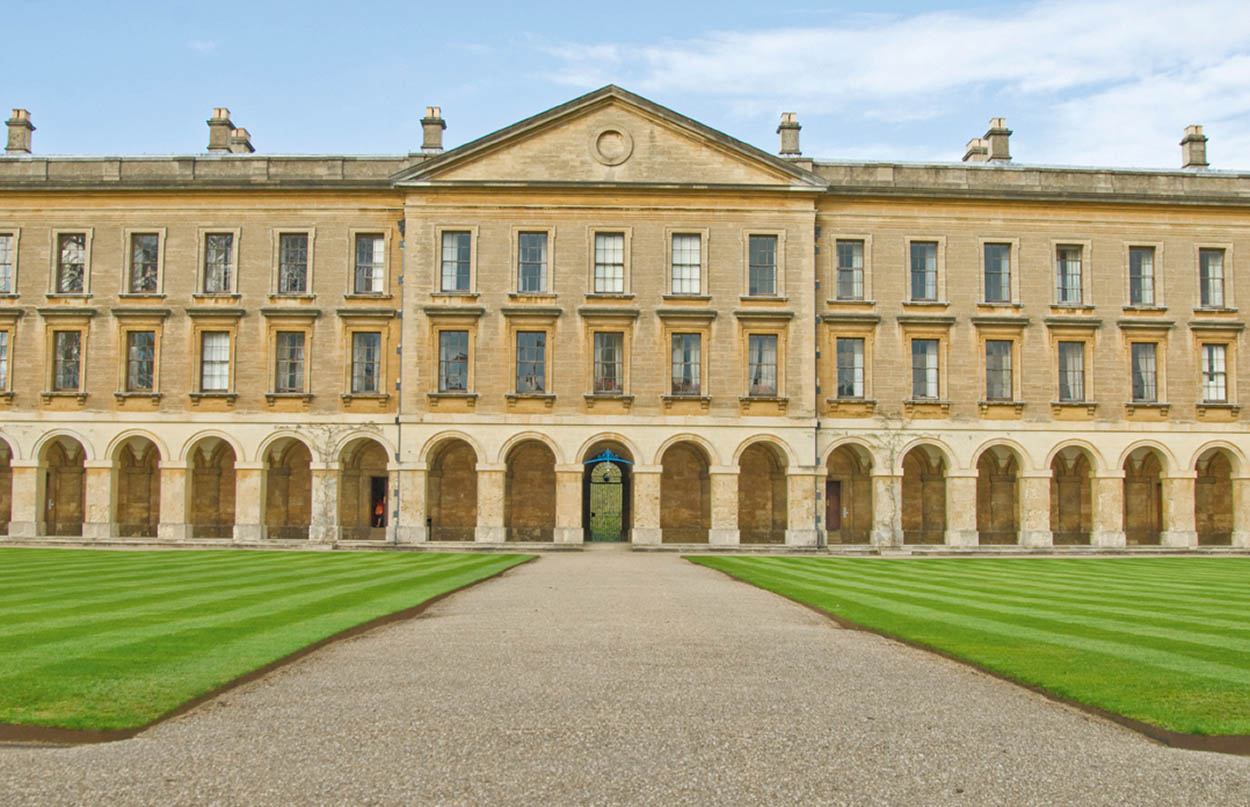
x: 848, y: 301
x: 227, y: 395
x: 926, y: 407
x: 367, y: 296
x: 79, y: 295
x: 272, y: 397
x: 593, y: 398
x: 679, y: 298
x: 609, y: 295
x: 123, y: 395
x: 1147, y: 308
x: 79, y: 395
x: 141, y: 295
x: 1214, y: 309
x: 348, y: 397
x: 216, y: 295
x: 703, y: 401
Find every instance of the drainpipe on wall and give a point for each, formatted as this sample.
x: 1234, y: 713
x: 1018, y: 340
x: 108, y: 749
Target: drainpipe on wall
x: 399, y: 408
x: 817, y: 493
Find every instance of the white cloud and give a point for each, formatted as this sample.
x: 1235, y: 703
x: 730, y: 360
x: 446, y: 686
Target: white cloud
x: 202, y: 46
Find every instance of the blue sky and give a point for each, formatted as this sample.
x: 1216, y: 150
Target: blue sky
x: 1106, y: 82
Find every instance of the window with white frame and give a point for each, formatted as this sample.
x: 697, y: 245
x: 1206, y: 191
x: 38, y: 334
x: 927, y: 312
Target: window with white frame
x: 850, y: 352
x: 456, y: 257
x: 609, y: 372
x: 370, y: 274
x: 1214, y: 374
x: 71, y: 264
x: 1145, y: 372
x: 1071, y: 371
x: 850, y: 279
x: 1141, y: 275
x: 214, y: 361
x: 609, y: 263
x: 762, y: 271
x: 453, y: 361
x: 531, y: 361
x: 762, y: 364
x: 685, y: 364
x: 532, y: 262
x: 1211, y: 278
x: 66, y: 360
x: 289, y: 361
x: 218, y: 263
x: 924, y: 368
x: 998, y: 369
x: 924, y: 270
x: 293, y: 263
x: 140, y: 361
x: 998, y: 273
x: 7, y: 260
x: 144, y: 263
x: 1068, y: 275
x: 687, y: 263
x: 366, y: 362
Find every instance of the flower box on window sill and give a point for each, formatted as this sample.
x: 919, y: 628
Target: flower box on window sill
x: 921, y: 408
x: 1219, y: 411
x: 1147, y: 410
x: 851, y: 407
x: 763, y: 404
x: 229, y: 396
x: 700, y: 401
x: 1001, y: 409
x: 605, y: 399
x: 272, y: 398
x: 80, y: 396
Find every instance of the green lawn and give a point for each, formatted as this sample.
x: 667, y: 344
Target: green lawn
x: 1161, y: 640
x: 95, y: 639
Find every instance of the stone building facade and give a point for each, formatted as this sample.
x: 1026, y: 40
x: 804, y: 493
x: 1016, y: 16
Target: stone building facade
x: 609, y: 321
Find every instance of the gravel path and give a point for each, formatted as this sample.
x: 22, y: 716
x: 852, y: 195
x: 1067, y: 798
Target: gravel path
x: 609, y: 677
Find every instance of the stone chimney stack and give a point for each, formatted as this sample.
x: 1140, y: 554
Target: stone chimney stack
x: 1193, y: 147
x: 789, y: 131
x: 240, y: 142
x: 996, y: 140
x: 20, y: 128
x: 978, y: 151
x: 432, y: 126
x: 219, y: 130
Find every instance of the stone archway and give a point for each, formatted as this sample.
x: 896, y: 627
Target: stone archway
x: 1143, y: 497
x: 1071, y: 497
x: 762, y: 513
x: 848, y: 496
x: 288, y: 490
x: 1213, y: 499
x: 607, y: 492
x: 364, y: 491
x: 529, y: 509
x: 136, y: 468
x: 451, y: 492
x: 924, y: 496
x: 63, y: 472
x: 998, y: 497
x: 6, y: 487
x: 211, y: 507
x: 685, y: 495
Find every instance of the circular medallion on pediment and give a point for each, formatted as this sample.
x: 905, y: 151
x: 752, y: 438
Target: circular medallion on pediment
x: 611, y: 145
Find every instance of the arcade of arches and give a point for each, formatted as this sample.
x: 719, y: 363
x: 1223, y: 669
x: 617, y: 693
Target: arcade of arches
x: 294, y: 494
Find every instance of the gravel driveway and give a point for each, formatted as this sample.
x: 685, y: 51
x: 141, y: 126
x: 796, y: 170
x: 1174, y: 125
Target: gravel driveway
x: 609, y: 677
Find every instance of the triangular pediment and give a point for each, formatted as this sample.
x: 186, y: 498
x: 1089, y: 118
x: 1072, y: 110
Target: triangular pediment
x: 610, y: 136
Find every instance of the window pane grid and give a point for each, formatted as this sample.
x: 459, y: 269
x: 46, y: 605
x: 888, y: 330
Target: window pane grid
x: 531, y: 361
x: 370, y: 264
x: 998, y: 273
x: 1071, y: 371
x: 1211, y: 276
x: 998, y: 370
x: 762, y: 364
x: 215, y: 361
x: 1214, y: 375
x: 1145, y: 387
x: 924, y: 368
x: 455, y: 268
x: 144, y: 249
x: 67, y: 346
x: 1068, y: 275
x: 218, y: 259
x: 850, y: 368
x: 71, y: 263
x: 923, y: 270
x: 290, y: 362
x: 609, y: 262
x: 453, y: 361
x: 686, y: 380
x: 762, y: 271
x: 140, y: 360
x: 366, y: 351
x: 532, y: 258
x: 687, y: 264
x: 609, y: 363
x: 293, y: 263
x: 1141, y: 276
x: 4, y: 360
x: 6, y: 263
x: 850, y: 281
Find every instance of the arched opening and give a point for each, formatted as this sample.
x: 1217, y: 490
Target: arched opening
x: 211, y: 508
x: 6, y: 487
x: 138, y: 496
x: 606, y: 492
x: 924, y: 496
x: 364, y: 485
x: 1071, y: 497
x: 64, y: 486
x: 1143, y: 497
x: 762, y: 515
x: 1213, y: 499
x: 288, y: 490
x: 529, y: 506
x: 998, y: 497
x: 451, y: 492
x: 685, y: 495
x: 848, y: 496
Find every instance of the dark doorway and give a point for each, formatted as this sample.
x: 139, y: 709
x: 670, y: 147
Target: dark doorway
x: 606, y: 495
x: 833, y: 505
x: 377, y: 496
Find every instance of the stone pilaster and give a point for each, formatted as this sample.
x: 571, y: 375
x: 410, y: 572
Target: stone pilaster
x: 490, y: 495
x: 173, y: 524
x: 249, y: 501
x: 410, y: 527
x: 1179, y: 529
x: 1035, y: 509
x: 1241, y: 511
x: 97, y: 522
x: 801, y: 527
x: 25, y: 515
x: 1107, y: 489
x: 887, y: 510
x: 961, y: 508
x: 323, y: 526
x: 569, y: 505
x: 646, y: 523
x: 724, y: 484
